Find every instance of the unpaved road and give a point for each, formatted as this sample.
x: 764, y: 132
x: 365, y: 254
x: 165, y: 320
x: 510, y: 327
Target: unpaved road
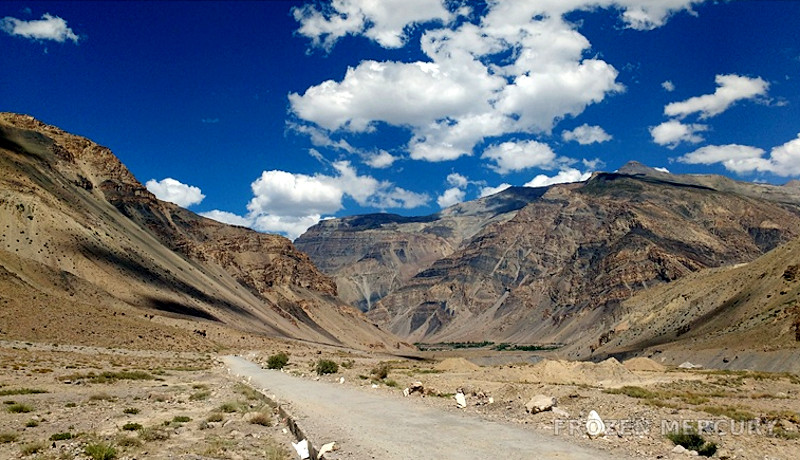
x: 373, y: 426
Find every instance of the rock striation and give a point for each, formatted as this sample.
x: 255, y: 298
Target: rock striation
x: 71, y: 210
x: 556, y: 266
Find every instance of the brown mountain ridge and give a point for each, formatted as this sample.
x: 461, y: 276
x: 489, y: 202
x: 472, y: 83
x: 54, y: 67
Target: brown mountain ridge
x: 84, y: 243
x: 558, y: 267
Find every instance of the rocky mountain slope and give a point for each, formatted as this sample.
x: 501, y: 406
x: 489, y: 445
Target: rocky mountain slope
x: 556, y: 266
x: 82, y: 240
x: 744, y: 316
x: 372, y: 255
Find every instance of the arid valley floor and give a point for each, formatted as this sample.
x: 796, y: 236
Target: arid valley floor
x: 63, y: 401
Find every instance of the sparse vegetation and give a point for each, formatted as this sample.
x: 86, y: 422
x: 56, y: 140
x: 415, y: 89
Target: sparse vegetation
x: 181, y: 419
x: 733, y: 413
x: 215, y: 417
x: 230, y: 407
x: 21, y: 391
x: 19, y: 408
x: 130, y: 411
x: 100, y: 451
x: 62, y: 436
x: 32, y: 447
x: 693, y: 441
x: 32, y: 423
x: 261, y: 419
x: 151, y: 434
x: 326, y: 366
x: 633, y: 392
x: 7, y: 437
x: 381, y: 371
x: 109, y: 377
x: 277, y: 361
x: 200, y: 395
x: 131, y: 426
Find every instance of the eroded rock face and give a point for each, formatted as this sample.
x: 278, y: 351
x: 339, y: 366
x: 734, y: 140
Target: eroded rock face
x: 565, y: 261
x: 373, y: 255
x: 549, y: 264
x: 85, y: 214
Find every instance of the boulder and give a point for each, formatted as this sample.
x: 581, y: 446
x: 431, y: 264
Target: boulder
x: 540, y: 403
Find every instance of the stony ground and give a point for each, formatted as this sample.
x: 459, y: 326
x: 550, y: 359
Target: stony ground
x: 89, y: 404
x: 747, y: 415
x: 62, y: 402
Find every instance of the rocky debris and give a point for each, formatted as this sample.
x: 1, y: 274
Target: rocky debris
x: 643, y: 364
x: 540, y: 403
x: 689, y: 365
x: 415, y: 387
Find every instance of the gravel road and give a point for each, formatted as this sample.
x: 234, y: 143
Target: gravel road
x: 372, y: 425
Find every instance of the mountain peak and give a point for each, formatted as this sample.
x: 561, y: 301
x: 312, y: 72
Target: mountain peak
x: 634, y: 168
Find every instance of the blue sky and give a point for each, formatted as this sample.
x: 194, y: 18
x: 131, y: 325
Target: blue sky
x: 275, y: 115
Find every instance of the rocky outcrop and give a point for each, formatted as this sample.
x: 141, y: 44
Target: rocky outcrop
x: 563, y: 263
x: 372, y: 255
x: 83, y: 213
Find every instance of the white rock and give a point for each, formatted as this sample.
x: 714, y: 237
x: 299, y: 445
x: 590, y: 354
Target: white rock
x: 461, y: 400
x: 679, y: 449
x: 540, y: 403
x: 594, y: 425
x: 302, y: 449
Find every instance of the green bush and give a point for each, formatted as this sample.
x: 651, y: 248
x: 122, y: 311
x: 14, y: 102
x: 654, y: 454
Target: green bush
x: 132, y: 426
x: 693, y: 441
x: 18, y: 408
x: 181, y: 419
x: 130, y: 410
x: 100, y: 451
x: 61, y: 436
x: 326, y: 366
x: 277, y: 361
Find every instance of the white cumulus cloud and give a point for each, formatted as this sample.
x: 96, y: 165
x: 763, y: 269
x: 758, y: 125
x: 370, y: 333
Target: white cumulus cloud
x: 673, y: 132
x: 517, y: 156
x: 460, y: 95
x: 783, y: 160
x: 564, y: 176
x: 730, y: 89
x: 49, y: 27
x: 227, y: 218
x: 488, y: 190
x: 383, y: 21
x: 585, y: 134
x: 379, y: 160
x: 289, y: 203
x: 175, y: 192
x: 668, y: 86
x: 450, y: 197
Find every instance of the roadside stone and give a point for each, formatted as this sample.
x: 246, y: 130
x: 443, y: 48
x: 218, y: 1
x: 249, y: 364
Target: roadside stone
x: 679, y: 449
x: 540, y: 403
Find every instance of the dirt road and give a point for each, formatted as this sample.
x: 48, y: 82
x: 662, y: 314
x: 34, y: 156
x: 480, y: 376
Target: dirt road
x: 373, y: 426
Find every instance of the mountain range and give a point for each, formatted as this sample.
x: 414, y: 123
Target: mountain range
x: 569, y: 265
x: 633, y: 262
